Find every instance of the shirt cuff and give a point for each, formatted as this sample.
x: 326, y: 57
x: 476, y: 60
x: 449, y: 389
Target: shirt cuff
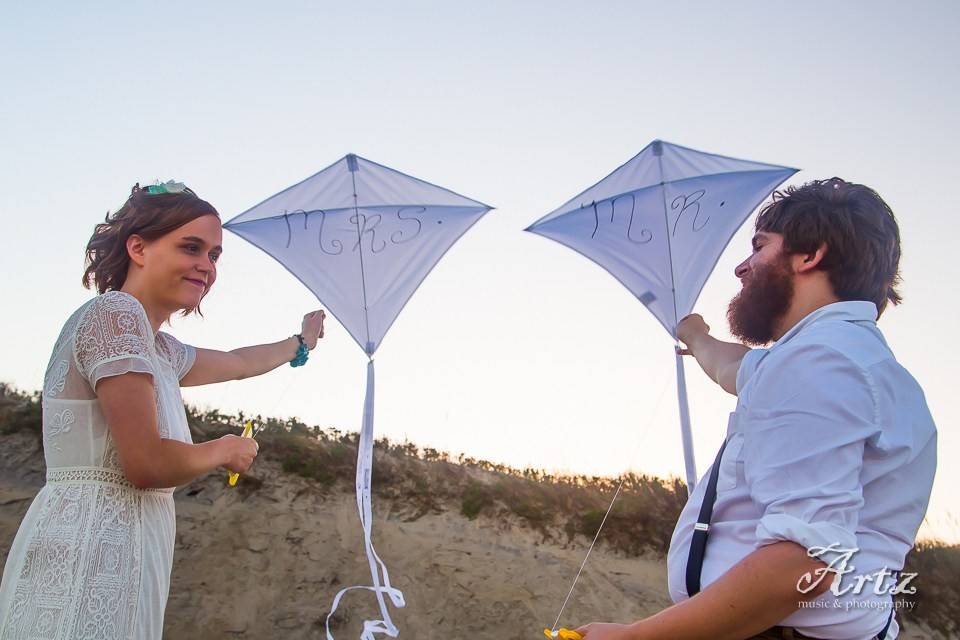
x: 119, y: 365
x: 826, y: 541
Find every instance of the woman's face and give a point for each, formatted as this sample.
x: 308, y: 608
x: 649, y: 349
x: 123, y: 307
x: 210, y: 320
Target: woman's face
x: 183, y: 263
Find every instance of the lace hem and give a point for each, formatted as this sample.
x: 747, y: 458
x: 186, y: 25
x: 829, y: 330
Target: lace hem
x: 97, y: 475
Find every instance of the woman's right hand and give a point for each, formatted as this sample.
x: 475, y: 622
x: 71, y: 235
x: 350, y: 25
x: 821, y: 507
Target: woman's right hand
x: 237, y: 453
x: 312, y: 328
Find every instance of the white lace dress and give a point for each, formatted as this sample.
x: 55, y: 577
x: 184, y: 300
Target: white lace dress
x: 93, y: 554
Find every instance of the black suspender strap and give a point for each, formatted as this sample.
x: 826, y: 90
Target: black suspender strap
x: 886, y: 627
x: 698, y: 544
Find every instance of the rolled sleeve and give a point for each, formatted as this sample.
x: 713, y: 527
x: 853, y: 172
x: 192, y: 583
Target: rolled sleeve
x: 748, y: 365
x: 804, y: 440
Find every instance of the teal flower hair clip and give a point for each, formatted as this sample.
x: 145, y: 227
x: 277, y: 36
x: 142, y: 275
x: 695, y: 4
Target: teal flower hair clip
x: 166, y: 187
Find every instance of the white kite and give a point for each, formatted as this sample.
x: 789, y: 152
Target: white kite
x: 658, y: 224
x: 361, y: 237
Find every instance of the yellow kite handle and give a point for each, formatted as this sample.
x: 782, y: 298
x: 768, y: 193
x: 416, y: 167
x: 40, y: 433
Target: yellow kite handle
x: 247, y: 431
x: 563, y: 634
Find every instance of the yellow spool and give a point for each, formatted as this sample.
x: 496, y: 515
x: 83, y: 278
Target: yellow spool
x: 247, y: 432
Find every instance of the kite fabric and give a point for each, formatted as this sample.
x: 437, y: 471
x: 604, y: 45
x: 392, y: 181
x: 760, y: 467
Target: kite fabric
x: 361, y: 237
x: 658, y: 224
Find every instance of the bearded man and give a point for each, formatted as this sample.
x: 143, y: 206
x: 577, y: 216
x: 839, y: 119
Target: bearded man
x: 825, y: 474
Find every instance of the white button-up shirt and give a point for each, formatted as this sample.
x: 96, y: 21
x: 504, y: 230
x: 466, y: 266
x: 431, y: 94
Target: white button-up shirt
x: 831, y: 443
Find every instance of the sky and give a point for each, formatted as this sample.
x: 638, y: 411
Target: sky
x: 514, y: 349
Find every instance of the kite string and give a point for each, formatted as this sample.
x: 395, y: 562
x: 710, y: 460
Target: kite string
x: 587, y: 556
x: 616, y: 493
x: 224, y: 393
x: 276, y: 403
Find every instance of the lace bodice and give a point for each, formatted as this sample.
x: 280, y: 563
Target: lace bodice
x: 93, y: 555
x: 107, y: 336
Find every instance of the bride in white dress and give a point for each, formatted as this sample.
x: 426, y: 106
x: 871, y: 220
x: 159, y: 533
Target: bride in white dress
x: 93, y: 555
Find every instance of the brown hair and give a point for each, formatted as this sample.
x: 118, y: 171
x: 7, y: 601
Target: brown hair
x: 147, y: 215
x: 862, y: 237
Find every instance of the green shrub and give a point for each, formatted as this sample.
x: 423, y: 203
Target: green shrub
x: 475, y: 499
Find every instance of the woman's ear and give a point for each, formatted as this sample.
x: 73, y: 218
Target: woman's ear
x: 135, y: 249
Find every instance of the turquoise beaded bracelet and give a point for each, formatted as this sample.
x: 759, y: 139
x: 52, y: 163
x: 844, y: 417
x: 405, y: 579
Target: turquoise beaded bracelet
x: 301, y: 358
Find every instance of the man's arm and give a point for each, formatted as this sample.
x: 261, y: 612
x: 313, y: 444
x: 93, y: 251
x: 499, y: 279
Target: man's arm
x: 803, y: 457
x: 755, y: 594
x: 719, y: 360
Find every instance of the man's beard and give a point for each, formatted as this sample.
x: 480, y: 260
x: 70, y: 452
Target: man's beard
x: 764, y: 299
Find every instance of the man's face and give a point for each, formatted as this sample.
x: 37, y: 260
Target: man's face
x: 767, y: 278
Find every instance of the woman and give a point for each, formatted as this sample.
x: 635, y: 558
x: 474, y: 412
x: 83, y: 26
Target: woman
x: 93, y: 555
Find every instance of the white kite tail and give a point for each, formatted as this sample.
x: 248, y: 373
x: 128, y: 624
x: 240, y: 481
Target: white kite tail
x: 689, y: 463
x: 381, y: 585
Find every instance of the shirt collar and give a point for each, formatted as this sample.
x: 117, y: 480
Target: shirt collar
x: 859, y: 311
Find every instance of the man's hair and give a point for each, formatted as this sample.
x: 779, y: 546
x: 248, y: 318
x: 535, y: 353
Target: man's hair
x: 863, y: 240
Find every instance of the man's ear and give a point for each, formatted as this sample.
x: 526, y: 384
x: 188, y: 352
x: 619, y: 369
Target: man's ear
x: 135, y: 247
x: 811, y: 260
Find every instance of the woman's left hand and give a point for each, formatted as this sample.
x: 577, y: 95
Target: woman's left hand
x: 312, y: 327
x: 605, y: 631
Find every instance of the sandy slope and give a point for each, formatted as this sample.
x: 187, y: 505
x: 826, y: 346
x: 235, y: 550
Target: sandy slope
x: 264, y: 560
x: 274, y: 559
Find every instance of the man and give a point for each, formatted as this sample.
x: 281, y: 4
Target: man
x: 829, y: 458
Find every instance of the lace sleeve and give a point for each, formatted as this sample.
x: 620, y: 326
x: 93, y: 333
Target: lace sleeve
x: 182, y: 356
x: 113, y: 338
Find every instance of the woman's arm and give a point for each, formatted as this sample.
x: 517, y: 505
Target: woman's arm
x: 213, y: 366
x: 719, y: 360
x: 246, y: 362
x: 129, y: 406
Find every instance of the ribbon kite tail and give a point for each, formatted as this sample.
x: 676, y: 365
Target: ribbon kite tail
x: 378, y: 570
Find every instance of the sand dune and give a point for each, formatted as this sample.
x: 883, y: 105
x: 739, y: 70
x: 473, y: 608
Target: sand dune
x: 264, y: 560
x: 271, y: 560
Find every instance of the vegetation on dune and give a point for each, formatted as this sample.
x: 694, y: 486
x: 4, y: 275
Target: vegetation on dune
x: 425, y: 480
x: 422, y: 481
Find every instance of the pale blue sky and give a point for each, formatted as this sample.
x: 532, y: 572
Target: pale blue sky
x: 514, y: 349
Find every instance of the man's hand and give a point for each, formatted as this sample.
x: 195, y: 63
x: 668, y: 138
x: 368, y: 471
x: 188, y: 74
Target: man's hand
x: 606, y: 631
x: 691, y: 329
x: 719, y: 360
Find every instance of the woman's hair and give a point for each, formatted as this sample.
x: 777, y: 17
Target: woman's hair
x: 148, y: 215
x: 862, y: 237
